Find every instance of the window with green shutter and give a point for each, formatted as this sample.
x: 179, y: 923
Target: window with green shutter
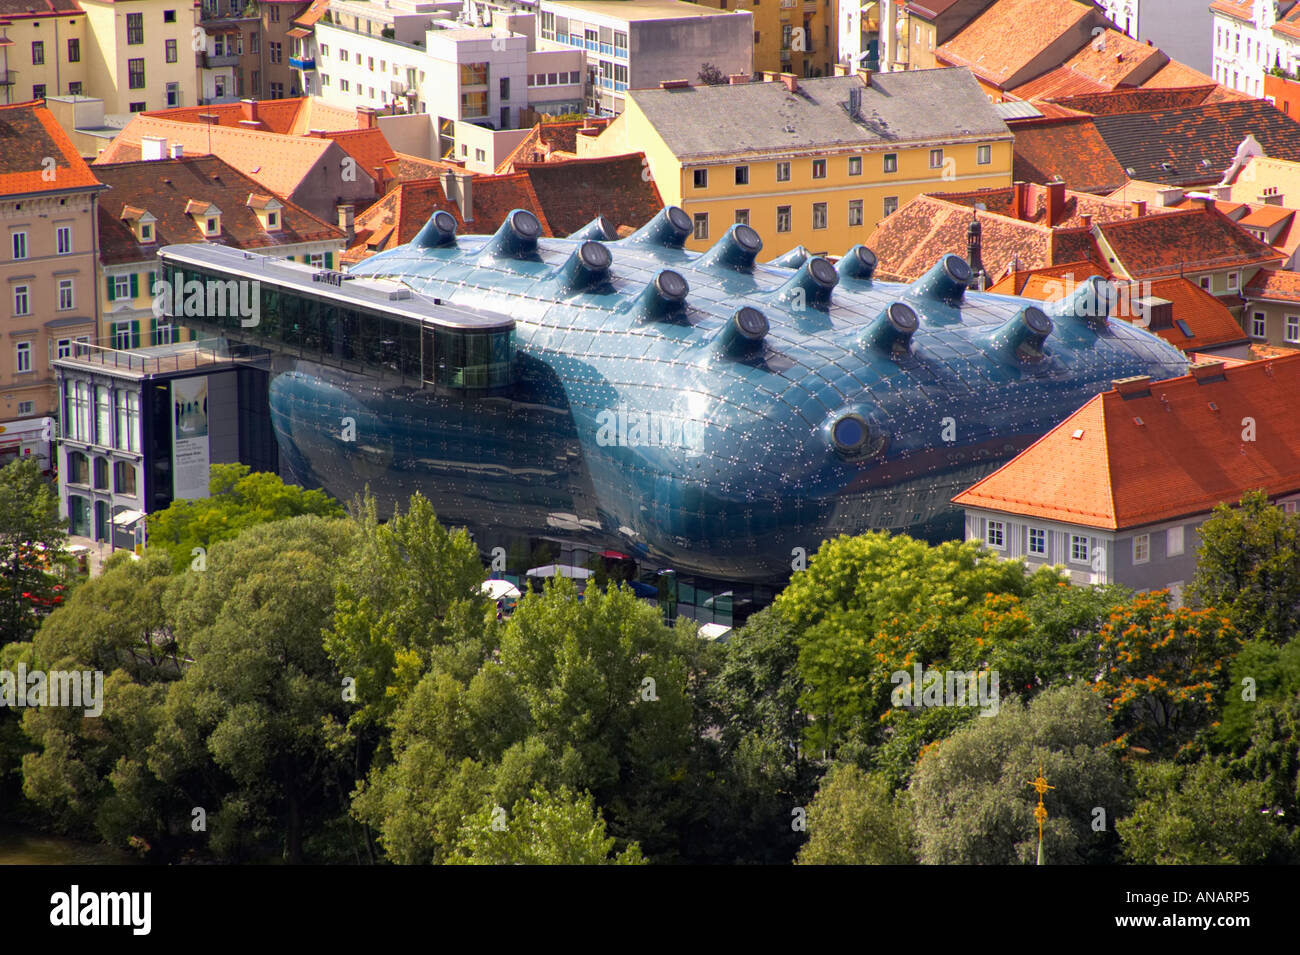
x: 153, y: 279
x: 111, y: 291
x: 135, y: 285
x: 135, y: 327
x: 329, y: 260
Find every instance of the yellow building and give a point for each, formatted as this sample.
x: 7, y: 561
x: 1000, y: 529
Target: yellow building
x: 814, y: 162
x: 141, y: 54
x: 790, y: 36
x: 42, y: 53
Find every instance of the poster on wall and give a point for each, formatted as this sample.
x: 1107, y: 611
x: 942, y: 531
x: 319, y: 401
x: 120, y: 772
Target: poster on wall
x: 190, y: 438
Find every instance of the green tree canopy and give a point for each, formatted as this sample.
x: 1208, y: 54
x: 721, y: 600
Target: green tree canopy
x: 856, y: 820
x: 1198, y: 815
x: 1248, y: 567
x: 239, y: 499
x: 543, y: 829
x: 32, y: 536
x: 970, y: 793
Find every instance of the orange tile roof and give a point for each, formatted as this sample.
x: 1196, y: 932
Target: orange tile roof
x: 1265, y: 217
x: 1289, y: 25
x: 1240, y: 9
x: 1176, y: 75
x: 398, y: 216
x: 1207, y: 318
x: 171, y: 189
x: 1175, y: 452
x: 279, y: 163
x: 1272, y: 351
x: 1177, y: 240
x: 1008, y: 36
x: 1072, y: 149
x: 313, y: 13
x: 1109, y: 60
x: 1062, y: 81
x: 1140, y: 100
x: 369, y: 147
x: 1279, y: 285
x: 29, y: 136
x: 1195, y: 357
x: 43, y: 9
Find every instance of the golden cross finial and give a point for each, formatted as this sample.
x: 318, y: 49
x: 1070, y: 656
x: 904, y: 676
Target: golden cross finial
x: 1040, y: 811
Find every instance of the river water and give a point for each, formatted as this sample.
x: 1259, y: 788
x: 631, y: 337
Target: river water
x: 19, y: 846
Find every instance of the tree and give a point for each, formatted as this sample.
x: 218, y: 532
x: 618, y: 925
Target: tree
x: 1272, y: 759
x: 856, y: 820
x: 868, y: 607
x: 593, y: 696
x: 32, y: 536
x: 247, y: 731
x: 1198, y: 815
x: 1248, y: 567
x: 710, y: 75
x: 543, y: 829
x: 970, y: 794
x: 1163, y: 671
x: 238, y: 499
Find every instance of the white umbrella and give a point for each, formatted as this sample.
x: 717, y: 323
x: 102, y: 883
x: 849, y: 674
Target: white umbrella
x: 497, y: 589
x: 560, y: 570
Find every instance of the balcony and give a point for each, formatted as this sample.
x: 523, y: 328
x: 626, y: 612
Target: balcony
x: 211, y: 61
x: 8, y: 77
x: 302, y: 62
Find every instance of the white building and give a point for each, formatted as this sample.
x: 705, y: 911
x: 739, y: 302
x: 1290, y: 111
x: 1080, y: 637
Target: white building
x: 859, y: 32
x: 641, y: 44
x: 457, y: 72
x: 1250, y: 38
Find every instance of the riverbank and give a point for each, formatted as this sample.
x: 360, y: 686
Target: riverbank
x: 20, y: 846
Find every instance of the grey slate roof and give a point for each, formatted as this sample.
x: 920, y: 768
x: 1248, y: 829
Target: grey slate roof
x: 913, y: 106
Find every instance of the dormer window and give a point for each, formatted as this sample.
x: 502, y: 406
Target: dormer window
x: 268, y: 210
x: 213, y: 225
x: 205, y: 215
x: 141, y: 222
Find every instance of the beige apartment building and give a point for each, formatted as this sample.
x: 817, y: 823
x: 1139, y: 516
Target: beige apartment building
x: 141, y: 54
x: 42, y: 49
x: 48, y: 241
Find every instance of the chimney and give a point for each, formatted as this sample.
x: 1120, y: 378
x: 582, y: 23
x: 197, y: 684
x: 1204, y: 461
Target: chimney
x: 674, y: 84
x: 1207, y: 371
x: 249, y: 109
x: 1159, y: 312
x: 366, y: 117
x: 737, y: 79
x: 1170, y: 196
x: 791, y: 81
x: 841, y: 69
x: 153, y: 147
x: 1019, y: 195
x: 1138, y: 207
x: 178, y: 151
x: 345, y: 212
x: 459, y: 188
x: 1055, y: 203
x: 1269, y: 198
x: 1086, y: 219
x: 1139, y: 386
x: 865, y: 75
x: 381, y: 177
x: 770, y: 76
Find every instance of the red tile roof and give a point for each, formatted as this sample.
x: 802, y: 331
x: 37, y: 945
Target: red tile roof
x: 36, y: 155
x: 397, y: 217
x: 370, y: 149
x: 170, y: 189
x: 575, y: 191
x: 38, y: 9
x: 1266, y: 217
x: 1175, y: 452
x: 1109, y: 60
x: 547, y: 139
x: 313, y: 13
x: 1240, y: 9
x: 1011, y: 34
x: 1139, y: 100
x: 1278, y: 285
x: 1289, y: 25
x: 1071, y: 149
x: 1186, y: 239
x: 1174, y: 75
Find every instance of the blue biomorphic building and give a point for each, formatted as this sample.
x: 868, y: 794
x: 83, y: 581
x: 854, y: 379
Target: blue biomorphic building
x: 698, y: 411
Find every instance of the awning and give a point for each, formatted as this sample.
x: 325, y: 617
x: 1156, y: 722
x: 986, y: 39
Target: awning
x: 713, y: 631
x: 297, y: 33
x: 560, y: 570
x: 127, y: 518
x: 498, y: 589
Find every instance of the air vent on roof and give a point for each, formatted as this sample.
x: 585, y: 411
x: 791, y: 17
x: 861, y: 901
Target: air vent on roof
x: 1078, y: 433
x: 1138, y: 421
x: 1214, y: 407
x: 399, y: 294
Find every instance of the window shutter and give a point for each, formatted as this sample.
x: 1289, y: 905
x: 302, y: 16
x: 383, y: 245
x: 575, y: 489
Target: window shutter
x: 153, y: 330
x: 112, y: 288
x: 153, y: 278
x: 135, y: 332
x: 329, y: 260
x: 135, y: 285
